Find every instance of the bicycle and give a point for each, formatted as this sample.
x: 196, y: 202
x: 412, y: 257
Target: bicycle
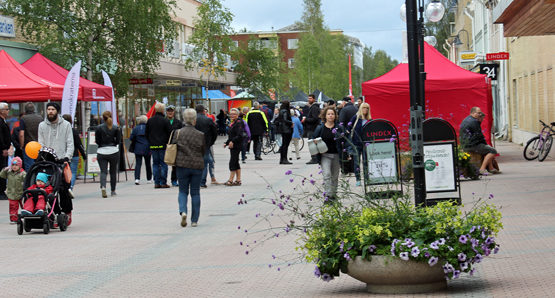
x: 267, y: 145
x: 539, y: 147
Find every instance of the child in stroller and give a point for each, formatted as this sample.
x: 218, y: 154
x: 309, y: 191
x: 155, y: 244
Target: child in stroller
x: 37, y: 208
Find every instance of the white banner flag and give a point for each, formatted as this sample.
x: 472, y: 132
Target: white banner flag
x: 71, y: 91
x: 111, y: 106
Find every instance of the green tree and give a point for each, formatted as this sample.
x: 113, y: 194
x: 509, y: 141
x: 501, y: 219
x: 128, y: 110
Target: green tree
x: 121, y: 37
x: 260, y: 66
x: 210, y: 40
x: 376, y: 64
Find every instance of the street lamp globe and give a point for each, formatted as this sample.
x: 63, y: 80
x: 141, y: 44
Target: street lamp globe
x: 403, y: 13
x: 431, y: 40
x: 435, y: 11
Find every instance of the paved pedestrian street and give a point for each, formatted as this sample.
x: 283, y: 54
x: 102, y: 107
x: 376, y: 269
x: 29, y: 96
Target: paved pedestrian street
x: 132, y: 245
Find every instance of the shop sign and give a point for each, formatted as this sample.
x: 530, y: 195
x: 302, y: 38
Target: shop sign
x: 7, y: 28
x: 497, y: 56
x: 140, y: 81
x: 490, y: 70
x: 173, y: 82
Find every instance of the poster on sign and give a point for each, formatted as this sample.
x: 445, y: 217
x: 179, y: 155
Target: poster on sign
x: 381, y: 162
x: 92, y: 165
x: 440, y: 167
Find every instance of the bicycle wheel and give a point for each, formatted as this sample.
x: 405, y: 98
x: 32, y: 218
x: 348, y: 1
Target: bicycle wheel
x: 266, y: 145
x: 532, y: 149
x: 301, y: 144
x: 545, y: 148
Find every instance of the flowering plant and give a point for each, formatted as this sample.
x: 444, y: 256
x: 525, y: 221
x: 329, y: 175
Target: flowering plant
x: 466, y: 167
x: 334, y: 232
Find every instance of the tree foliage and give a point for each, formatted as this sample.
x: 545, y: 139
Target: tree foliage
x: 210, y: 40
x: 376, y: 64
x: 260, y: 65
x: 122, y: 36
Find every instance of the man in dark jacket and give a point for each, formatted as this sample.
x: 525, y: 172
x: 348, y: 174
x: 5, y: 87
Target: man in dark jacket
x: 312, y: 121
x: 208, y: 127
x: 158, y: 130
x: 258, y: 125
x: 29, y: 131
x: 176, y: 124
x: 473, y: 140
x: 347, y: 112
x: 6, y: 143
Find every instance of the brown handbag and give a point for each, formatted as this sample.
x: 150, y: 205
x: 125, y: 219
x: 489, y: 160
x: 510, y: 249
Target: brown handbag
x: 171, y: 151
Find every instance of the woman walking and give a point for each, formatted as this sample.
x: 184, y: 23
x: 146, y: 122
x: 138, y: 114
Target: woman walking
x: 141, y: 150
x: 235, y: 144
x: 330, y: 132
x: 77, y: 147
x: 108, y: 137
x: 297, y: 133
x: 189, y: 165
x: 286, y: 129
x: 357, y: 122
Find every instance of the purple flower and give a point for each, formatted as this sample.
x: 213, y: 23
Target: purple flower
x: 350, y: 123
x: 291, y: 180
x: 247, y: 252
x: 270, y: 265
x: 289, y: 172
x: 392, y: 140
x: 434, y: 245
x: 487, y: 251
x: 404, y: 256
x: 278, y: 268
x: 491, y: 196
x: 441, y: 241
x: 341, y: 246
x: 474, y: 242
x: 490, y: 240
x: 483, y: 235
x: 463, y: 239
x: 277, y: 235
x: 427, y: 255
x: 347, y: 256
x: 239, y: 227
x: 478, y: 258
x: 312, y: 181
x: 326, y: 277
x: 461, y: 257
x: 433, y: 261
x: 415, y: 252
x: 240, y: 242
x: 496, y: 250
x: 317, y: 272
x: 334, y: 130
x: 464, y: 266
x: 448, y: 268
x: 456, y: 274
x: 472, y: 229
x: 471, y: 273
x: 371, y: 248
x: 281, y: 206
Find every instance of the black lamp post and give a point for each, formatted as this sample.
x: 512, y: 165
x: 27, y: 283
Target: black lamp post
x: 458, y: 41
x: 417, y: 77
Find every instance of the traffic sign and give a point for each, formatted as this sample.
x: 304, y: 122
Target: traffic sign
x: 497, y: 56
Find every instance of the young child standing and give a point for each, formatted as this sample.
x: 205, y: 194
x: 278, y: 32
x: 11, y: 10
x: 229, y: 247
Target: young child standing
x: 15, y: 176
x: 38, y: 209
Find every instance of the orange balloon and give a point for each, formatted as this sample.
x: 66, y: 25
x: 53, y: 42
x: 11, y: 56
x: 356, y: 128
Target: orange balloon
x: 32, y: 149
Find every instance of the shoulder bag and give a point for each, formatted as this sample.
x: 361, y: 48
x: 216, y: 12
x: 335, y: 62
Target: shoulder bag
x: 171, y: 150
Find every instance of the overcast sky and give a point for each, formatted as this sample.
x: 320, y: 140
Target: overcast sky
x: 375, y: 23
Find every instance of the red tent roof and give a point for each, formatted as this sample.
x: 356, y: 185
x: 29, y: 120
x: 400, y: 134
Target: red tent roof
x: 451, y: 92
x: 90, y: 91
x: 18, y: 84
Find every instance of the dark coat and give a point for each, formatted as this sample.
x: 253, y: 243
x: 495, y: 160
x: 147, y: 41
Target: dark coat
x: 6, y: 135
x: 340, y: 142
x: 138, y: 136
x: 356, y: 136
x: 471, y: 133
x: 158, y: 130
x: 235, y: 134
x: 312, y: 117
x: 347, y: 113
x: 258, y: 124
x: 176, y: 124
x: 107, y: 137
x: 190, y: 147
x: 78, y: 145
x: 285, y: 122
x: 208, y: 127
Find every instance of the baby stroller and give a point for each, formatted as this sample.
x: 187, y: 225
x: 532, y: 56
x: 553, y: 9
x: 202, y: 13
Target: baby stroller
x: 47, y: 162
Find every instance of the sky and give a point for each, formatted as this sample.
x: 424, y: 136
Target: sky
x: 375, y: 23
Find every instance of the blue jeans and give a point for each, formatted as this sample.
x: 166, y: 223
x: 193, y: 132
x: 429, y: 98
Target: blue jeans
x: 138, y: 165
x: 159, y: 167
x: 28, y: 162
x: 244, y: 150
x: 189, y: 182
x: 357, y: 156
x: 74, y: 164
x: 208, y: 166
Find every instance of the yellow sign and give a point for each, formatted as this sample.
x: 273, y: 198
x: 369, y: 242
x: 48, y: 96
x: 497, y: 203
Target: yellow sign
x: 468, y: 56
x: 173, y: 82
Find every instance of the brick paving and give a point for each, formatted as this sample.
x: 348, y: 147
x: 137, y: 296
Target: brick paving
x: 133, y: 246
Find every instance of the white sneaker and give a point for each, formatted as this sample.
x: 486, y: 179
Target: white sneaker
x: 183, y: 219
x: 150, y: 181
x: 137, y: 181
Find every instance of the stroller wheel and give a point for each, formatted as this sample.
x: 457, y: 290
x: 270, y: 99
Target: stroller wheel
x: 62, y: 222
x: 26, y: 227
x: 46, y: 228
x: 19, y: 227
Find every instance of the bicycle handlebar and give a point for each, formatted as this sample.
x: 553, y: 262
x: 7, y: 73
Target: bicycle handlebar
x: 543, y: 123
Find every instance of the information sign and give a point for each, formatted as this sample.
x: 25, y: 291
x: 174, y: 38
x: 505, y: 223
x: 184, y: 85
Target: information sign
x: 381, y: 161
x: 440, y: 167
x: 92, y: 161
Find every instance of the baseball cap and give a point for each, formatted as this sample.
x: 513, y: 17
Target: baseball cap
x: 170, y: 107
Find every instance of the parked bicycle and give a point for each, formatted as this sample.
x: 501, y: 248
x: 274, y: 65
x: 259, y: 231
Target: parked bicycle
x: 268, y: 146
x: 539, y: 147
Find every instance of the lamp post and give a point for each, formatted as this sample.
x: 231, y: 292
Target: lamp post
x: 458, y: 41
x: 417, y: 77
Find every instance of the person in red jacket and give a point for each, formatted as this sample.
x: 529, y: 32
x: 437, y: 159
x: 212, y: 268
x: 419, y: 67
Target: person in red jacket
x: 30, y: 207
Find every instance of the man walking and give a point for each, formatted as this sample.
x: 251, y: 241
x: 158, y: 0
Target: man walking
x: 473, y: 140
x: 29, y: 132
x: 158, y: 130
x: 312, y: 121
x: 6, y: 141
x: 208, y: 127
x: 175, y: 124
x: 258, y: 125
x: 347, y: 112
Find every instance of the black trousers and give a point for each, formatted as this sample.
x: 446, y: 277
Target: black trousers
x: 285, y: 141
x: 103, y: 161
x: 234, y: 159
x: 174, y: 174
x: 257, y: 144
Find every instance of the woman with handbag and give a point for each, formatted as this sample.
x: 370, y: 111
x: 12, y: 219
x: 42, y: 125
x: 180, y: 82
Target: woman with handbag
x: 141, y: 148
x: 330, y: 132
x: 357, y: 122
x: 108, y: 137
x: 189, y: 162
x: 235, y: 144
x: 285, y: 128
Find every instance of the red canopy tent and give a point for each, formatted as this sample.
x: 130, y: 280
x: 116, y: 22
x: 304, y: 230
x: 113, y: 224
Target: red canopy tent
x: 18, y: 84
x: 451, y: 92
x: 88, y: 91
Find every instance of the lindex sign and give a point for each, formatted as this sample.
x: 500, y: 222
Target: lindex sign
x: 497, y: 56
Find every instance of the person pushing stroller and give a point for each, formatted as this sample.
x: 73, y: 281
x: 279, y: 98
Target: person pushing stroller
x: 15, y: 176
x: 37, y: 208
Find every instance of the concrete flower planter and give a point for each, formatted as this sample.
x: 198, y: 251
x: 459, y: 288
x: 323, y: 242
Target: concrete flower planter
x: 390, y: 275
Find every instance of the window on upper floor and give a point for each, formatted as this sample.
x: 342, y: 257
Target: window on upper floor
x: 292, y: 44
x: 291, y: 62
